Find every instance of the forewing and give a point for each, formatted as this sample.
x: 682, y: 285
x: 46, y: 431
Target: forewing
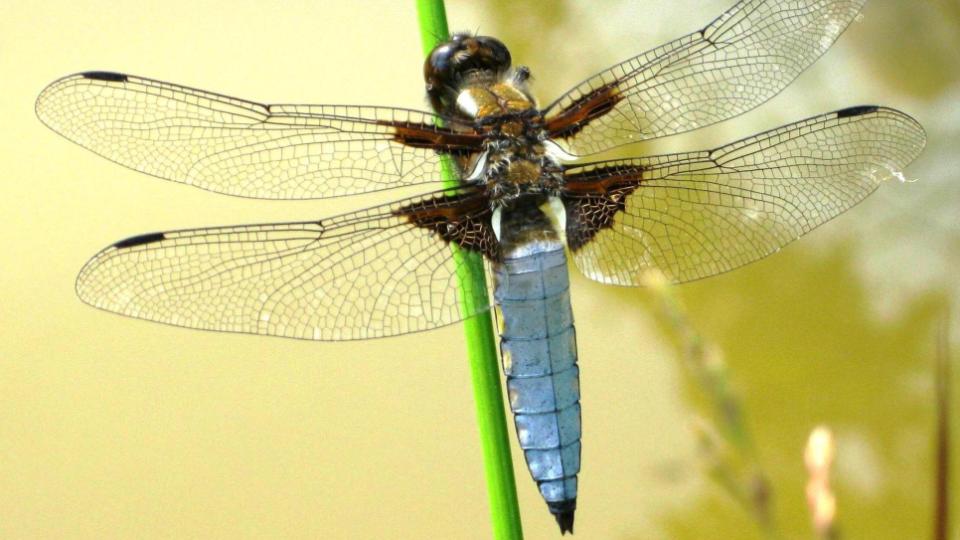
x: 740, y: 60
x: 248, y: 149
x: 698, y: 214
x: 366, y: 274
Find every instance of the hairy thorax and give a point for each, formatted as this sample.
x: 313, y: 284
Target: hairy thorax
x: 515, y: 161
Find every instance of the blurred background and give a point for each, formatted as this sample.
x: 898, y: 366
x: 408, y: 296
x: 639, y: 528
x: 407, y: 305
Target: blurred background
x: 112, y: 427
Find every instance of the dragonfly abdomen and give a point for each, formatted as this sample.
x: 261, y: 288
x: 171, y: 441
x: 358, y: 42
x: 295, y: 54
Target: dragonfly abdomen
x: 538, y: 349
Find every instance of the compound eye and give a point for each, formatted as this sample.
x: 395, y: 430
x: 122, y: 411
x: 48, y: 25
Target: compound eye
x: 497, y: 56
x: 439, y: 60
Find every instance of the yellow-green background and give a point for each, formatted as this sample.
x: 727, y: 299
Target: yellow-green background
x: 112, y: 427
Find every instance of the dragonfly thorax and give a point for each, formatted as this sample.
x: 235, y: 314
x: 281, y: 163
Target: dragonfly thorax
x: 469, y: 78
x: 490, y: 100
x: 518, y: 171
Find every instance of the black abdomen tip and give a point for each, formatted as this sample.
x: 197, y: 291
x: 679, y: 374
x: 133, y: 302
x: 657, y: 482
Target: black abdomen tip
x: 856, y: 111
x: 565, y: 520
x: 139, y: 240
x: 105, y: 76
x: 564, y: 511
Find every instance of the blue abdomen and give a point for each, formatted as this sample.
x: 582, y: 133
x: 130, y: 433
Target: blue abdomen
x: 538, y: 350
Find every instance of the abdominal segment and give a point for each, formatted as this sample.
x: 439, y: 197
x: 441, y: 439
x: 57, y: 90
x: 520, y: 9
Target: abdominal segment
x: 538, y: 349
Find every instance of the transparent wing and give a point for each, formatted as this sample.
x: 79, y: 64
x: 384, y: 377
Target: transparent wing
x: 740, y: 60
x: 365, y: 274
x: 242, y: 148
x: 698, y: 214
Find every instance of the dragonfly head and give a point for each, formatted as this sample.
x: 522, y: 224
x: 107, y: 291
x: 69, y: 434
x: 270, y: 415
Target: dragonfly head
x: 463, y: 58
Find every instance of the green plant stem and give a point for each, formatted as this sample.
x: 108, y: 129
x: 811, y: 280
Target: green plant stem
x: 481, y: 348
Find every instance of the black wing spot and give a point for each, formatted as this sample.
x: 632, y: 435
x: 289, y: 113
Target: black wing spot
x: 105, y: 76
x: 856, y: 111
x: 139, y: 240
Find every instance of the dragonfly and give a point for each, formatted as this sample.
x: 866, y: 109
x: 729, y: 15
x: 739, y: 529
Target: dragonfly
x: 529, y: 194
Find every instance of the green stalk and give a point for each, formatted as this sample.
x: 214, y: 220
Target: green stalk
x: 481, y: 348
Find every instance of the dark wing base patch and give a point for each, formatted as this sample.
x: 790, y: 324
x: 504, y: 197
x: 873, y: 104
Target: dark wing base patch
x: 593, y: 197
x: 462, y: 219
x: 589, y: 214
x: 583, y: 110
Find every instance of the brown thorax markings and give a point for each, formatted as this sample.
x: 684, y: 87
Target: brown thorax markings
x: 515, y: 160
